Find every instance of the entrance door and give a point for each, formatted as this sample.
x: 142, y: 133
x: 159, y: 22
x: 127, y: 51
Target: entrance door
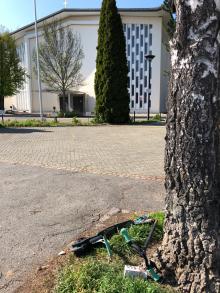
x: 64, y: 107
x: 77, y: 103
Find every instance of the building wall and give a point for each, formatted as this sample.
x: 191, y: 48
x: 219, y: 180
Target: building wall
x: 165, y: 69
x: 87, y: 28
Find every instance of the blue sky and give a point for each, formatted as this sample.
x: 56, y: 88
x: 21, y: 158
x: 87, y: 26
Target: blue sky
x: 17, y: 13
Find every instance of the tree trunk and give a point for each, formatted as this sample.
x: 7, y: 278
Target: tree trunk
x: 190, y: 251
x: 2, y: 102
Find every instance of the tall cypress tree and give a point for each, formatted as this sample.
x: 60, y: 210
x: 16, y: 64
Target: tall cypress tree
x: 111, y: 79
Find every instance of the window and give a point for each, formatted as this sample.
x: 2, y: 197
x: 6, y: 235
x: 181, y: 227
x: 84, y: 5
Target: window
x: 129, y: 33
x: 146, y: 31
x: 145, y: 65
x: 137, y: 32
x: 124, y: 27
x: 129, y: 66
x: 129, y: 50
x: 132, y: 42
x: 136, y: 81
x: 132, y: 104
x: 132, y: 74
x: 150, y: 40
x: 129, y: 82
x: 137, y: 49
x: 145, y: 81
x: 141, y: 90
x: 145, y: 98
x: 140, y: 103
x: 145, y: 48
x: 142, y: 26
x: 142, y: 57
x: 136, y: 98
x: 142, y: 40
x: 132, y: 58
x: 132, y: 90
x: 141, y: 73
x: 137, y: 65
x: 150, y: 26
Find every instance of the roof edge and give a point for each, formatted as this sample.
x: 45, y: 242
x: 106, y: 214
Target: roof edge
x: 153, y: 9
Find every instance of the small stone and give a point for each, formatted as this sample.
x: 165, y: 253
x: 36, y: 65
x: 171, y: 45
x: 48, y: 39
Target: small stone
x: 62, y: 252
x: 125, y: 212
x: 104, y: 218
x: 42, y: 268
x: 113, y: 211
x: 9, y: 274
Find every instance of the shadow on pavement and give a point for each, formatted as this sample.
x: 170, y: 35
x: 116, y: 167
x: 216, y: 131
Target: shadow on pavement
x: 21, y: 130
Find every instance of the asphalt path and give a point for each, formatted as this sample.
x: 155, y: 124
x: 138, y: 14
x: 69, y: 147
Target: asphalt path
x: 44, y: 209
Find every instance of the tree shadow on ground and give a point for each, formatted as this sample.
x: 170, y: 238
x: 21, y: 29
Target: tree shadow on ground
x: 21, y: 130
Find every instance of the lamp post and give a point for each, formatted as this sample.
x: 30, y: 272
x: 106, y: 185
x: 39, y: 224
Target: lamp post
x: 38, y: 64
x: 149, y: 57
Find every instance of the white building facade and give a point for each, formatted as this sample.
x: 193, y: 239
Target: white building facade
x: 145, y: 33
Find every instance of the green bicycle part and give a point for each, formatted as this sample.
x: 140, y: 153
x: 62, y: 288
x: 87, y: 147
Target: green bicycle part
x: 153, y: 274
x: 124, y: 233
x: 107, y: 245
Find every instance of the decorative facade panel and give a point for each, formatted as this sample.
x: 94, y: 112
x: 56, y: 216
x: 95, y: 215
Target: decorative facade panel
x: 139, y: 39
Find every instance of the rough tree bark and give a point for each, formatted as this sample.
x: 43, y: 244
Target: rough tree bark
x: 190, y: 251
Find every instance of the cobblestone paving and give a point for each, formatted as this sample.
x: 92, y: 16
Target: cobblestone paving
x: 126, y: 151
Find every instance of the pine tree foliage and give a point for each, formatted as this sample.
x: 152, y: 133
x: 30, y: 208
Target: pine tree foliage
x: 111, y: 79
x: 12, y: 74
x: 169, y: 5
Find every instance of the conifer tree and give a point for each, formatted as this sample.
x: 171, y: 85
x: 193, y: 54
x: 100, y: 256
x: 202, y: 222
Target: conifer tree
x: 111, y: 79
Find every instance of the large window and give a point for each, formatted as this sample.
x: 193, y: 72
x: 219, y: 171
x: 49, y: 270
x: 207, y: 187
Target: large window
x: 146, y: 31
x: 136, y: 98
x: 137, y: 32
x: 132, y: 42
x: 145, y: 65
x: 132, y: 58
x: 137, y: 65
x: 141, y: 73
x: 136, y: 81
x: 150, y: 40
x: 132, y: 90
x: 137, y: 49
x: 142, y: 57
x: 141, y: 89
x: 145, y: 81
x: 129, y: 33
x: 142, y: 40
x: 145, y: 48
x: 145, y: 98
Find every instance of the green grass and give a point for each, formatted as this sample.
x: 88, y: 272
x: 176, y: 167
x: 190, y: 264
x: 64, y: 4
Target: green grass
x: 94, y: 273
x: 46, y: 123
x: 101, y: 277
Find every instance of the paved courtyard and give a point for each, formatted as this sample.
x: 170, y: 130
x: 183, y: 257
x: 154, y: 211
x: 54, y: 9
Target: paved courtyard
x: 55, y: 182
x: 126, y: 151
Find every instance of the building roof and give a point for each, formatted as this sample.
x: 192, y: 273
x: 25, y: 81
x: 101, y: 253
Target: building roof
x: 87, y: 11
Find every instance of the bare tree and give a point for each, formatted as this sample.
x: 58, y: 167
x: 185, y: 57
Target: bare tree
x: 60, y: 57
x: 191, y: 246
